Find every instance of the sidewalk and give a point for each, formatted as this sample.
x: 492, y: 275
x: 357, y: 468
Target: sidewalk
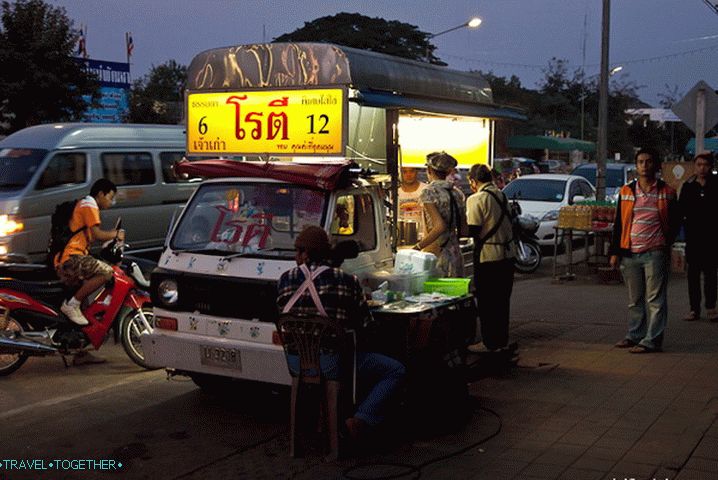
x: 574, y: 408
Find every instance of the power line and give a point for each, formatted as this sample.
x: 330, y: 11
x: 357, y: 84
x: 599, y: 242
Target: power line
x: 623, y: 62
x: 712, y: 5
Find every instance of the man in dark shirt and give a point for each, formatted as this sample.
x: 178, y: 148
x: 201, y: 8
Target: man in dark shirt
x: 340, y: 297
x: 699, y: 202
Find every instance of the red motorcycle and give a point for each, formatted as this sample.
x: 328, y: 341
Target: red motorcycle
x: 31, y: 323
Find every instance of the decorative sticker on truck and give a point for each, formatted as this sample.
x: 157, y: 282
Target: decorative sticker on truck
x: 291, y: 122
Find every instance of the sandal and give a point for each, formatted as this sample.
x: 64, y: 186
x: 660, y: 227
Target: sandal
x: 625, y: 343
x: 691, y: 317
x: 643, y: 349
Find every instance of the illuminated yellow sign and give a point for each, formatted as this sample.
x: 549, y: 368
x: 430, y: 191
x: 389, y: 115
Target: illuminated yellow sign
x: 467, y: 139
x: 276, y: 122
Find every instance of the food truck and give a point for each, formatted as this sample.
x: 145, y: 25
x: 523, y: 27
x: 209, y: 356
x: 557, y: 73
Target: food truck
x: 323, y: 131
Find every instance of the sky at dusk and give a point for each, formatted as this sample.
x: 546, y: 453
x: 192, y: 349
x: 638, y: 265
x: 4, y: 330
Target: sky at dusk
x: 658, y: 42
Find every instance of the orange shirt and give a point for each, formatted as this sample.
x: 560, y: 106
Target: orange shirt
x: 86, y: 214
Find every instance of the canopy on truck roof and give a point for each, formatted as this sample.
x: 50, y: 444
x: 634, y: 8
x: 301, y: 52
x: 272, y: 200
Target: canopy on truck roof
x: 325, y: 175
x: 381, y: 80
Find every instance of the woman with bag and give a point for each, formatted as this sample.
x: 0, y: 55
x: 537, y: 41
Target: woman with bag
x: 444, y: 211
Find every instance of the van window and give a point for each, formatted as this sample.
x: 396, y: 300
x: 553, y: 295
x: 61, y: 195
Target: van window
x: 167, y: 161
x: 64, y: 169
x: 354, y: 220
x: 128, y: 168
x: 18, y: 165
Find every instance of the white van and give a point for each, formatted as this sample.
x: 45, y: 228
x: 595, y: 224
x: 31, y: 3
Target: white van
x: 45, y: 165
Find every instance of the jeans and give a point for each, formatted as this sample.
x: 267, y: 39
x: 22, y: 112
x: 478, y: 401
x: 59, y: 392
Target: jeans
x: 377, y: 375
x: 646, y: 276
x: 710, y: 285
x: 494, y: 282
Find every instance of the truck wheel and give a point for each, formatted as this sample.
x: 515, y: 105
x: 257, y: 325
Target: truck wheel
x: 11, y: 360
x: 131, y: 328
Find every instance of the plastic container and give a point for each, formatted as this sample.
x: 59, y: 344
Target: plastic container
x: 413, y: 261
x: 455, y: 287
x: 411, y: 283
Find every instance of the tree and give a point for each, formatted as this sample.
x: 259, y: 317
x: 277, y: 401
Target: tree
x: 40, y: 81
x: 158, y: 96
x: 376, y: 34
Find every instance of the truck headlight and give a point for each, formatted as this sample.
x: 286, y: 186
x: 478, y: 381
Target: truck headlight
x: 10, y: 224
x: 550, y: 216
x: 168, y: 292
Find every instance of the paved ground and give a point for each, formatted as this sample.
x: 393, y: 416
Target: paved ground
x: 573, y: 408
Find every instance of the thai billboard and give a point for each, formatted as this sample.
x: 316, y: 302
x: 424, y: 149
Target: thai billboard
x: 114, y: 78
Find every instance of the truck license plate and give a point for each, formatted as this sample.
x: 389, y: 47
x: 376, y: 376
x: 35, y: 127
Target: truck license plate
x: 221, y: 357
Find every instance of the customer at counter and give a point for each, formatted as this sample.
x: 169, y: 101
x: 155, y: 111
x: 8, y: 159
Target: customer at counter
x: 444, y: 213
x: 313, y: 287
x: 487, y: 215
x: 409, y: 192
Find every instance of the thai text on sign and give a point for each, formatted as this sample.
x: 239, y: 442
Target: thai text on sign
x: 291, y: 122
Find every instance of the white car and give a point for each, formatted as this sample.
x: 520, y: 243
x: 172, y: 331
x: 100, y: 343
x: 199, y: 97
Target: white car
x: 543, y: 195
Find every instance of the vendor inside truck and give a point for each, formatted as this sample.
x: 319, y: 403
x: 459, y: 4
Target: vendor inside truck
x: 315, y: 288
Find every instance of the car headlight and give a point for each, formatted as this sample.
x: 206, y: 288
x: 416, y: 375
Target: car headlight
x: 168, y: 292
x: 550, y: 216
x: 10, y: 224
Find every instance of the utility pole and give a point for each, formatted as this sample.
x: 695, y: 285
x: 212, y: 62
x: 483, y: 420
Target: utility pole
x: 602, y: 151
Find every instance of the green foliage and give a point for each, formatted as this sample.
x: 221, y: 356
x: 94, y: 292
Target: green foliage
x: 158, y: 96
x: 358, y: 31
x: 40, y: 81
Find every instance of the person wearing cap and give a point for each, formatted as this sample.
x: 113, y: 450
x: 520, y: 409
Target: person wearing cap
x: 338, y: 296
x: 444, y: 211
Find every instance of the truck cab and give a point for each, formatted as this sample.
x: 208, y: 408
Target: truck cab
x: 215, y: 288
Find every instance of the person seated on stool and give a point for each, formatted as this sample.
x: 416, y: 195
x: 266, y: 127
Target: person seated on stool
x: 340, y: 297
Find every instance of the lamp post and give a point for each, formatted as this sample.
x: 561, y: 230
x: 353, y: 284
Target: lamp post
x: 611, y: 72
x: 472, y: 23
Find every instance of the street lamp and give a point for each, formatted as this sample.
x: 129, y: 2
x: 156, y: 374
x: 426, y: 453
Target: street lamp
x: 472, y: 23
x: 611, y: 72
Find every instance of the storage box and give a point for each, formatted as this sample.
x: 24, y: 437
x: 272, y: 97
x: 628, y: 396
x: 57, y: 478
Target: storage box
x: 414, y: 261
x: 456, y: 287
x: 411, y: 283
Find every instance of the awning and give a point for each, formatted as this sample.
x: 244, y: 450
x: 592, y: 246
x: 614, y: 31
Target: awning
x: 709, y: 144
x: 389, y: 100
x: 324, y: 175
x: 539, y: 142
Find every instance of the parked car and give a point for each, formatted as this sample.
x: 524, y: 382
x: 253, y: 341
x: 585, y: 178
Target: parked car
x: 617, y: 175
x: 45, y: 165
x: 551, y: 166
x: 543, y: 195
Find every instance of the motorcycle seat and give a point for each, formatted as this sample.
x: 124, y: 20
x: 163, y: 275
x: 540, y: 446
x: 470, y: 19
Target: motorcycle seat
x: 51, y: 292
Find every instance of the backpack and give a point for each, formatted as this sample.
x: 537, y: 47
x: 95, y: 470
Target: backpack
x: 60, y: 233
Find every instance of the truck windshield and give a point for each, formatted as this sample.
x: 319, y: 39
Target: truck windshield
x: 17, y: 166
x: 247, y: 218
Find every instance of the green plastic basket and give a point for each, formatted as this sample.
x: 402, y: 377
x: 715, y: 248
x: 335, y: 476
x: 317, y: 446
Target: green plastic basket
x: 456, y: 287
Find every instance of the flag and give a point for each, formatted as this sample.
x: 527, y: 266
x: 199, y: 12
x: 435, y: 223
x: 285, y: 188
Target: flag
x: 130, y: 44
x: 81, y: 43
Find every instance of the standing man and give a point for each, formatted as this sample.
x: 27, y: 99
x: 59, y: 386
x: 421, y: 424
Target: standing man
x: 409, y: 193
x: 487, y: 215
x: 699, y: 201
x: 647, y: 220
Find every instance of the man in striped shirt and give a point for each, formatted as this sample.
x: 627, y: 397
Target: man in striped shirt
x: 647, y: 221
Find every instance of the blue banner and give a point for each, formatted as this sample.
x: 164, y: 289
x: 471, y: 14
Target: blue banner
x: 114, y: 78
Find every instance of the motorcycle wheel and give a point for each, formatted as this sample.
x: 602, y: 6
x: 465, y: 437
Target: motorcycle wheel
x: 532, y: 261
x: 130, y: 330
x: 9, y: 362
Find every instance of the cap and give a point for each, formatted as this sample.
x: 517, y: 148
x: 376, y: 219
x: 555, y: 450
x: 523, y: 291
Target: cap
x: 441, y: 161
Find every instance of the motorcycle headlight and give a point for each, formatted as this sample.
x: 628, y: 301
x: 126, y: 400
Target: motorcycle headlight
x: 168, y: 292
x: 550, y: 216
